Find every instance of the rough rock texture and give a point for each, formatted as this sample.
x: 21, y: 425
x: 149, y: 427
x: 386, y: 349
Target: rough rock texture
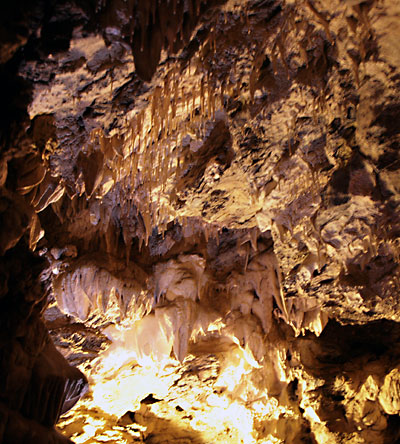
x: 200, y: 200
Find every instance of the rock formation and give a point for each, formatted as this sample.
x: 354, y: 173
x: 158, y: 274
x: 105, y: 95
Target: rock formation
x: 199, y: 206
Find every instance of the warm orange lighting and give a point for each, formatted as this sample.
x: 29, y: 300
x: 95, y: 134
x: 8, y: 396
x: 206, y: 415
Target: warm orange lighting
x: 140, y: 362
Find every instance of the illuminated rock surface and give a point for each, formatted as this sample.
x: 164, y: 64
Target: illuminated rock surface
x: 199, y: 206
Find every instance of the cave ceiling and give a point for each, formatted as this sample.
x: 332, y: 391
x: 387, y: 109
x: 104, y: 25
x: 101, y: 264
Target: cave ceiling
x: 200, y: 226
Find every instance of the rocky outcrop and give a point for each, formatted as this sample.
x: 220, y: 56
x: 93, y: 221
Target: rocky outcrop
x: 37, y: 383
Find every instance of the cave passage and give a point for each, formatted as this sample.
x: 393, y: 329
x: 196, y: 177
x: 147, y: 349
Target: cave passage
x: 199, y: 221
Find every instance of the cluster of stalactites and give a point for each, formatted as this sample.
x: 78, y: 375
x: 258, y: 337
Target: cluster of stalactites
x: 148, y: 160
x: 88, y: 290
x: 163, y: 24
x: 181, y: 294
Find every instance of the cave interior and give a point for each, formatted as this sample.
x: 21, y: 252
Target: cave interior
x: 199, y: 221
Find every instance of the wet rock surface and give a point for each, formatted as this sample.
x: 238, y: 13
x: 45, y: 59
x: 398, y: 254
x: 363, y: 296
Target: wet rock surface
x: 199, y: 208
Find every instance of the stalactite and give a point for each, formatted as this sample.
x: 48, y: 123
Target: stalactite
x: 139, y: 126
x: 209, y: 100
x: 281, y: 46
x: 212, y: 98
x: 147, y: 224
x: 174, y: 103
x: 274, y: 60
x: 156, y: 102
x: 166, y: 103
x: 324, y: 22
x: 222, y: 94
x: 303, y: 54
x: 202, y: 98
x: 355, y: 66
x: 157, y: 124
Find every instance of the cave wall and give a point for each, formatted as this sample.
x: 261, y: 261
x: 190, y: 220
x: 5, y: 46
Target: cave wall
x: 194, y: 161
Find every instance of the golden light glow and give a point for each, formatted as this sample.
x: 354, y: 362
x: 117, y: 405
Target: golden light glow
x: 221, y: 406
